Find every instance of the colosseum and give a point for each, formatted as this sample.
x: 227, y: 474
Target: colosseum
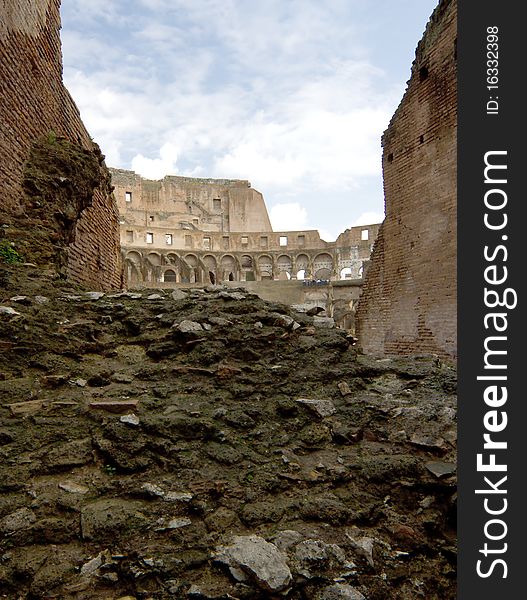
x: 183, y: 230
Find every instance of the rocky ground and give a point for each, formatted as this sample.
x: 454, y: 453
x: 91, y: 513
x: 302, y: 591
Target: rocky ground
x: 213, y: 445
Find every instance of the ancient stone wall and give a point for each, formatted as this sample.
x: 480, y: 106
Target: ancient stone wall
x: 36, y: 113
x: 184, y: 230
x: 408, y: 304
x: 221, y: 205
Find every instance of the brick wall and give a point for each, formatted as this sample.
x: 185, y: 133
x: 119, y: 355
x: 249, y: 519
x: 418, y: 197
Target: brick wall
x: 34, y: 102
x: 408, y: 303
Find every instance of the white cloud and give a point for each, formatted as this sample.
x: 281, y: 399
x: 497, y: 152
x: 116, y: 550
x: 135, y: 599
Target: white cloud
x: 280, y: 93
x: 288, y: 217
x: 157, y: 168
x: 368, y: 218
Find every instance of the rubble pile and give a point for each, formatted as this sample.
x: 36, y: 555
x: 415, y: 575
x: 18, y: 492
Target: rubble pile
x: 205, y: 444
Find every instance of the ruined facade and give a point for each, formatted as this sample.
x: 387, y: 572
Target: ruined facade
x: 408, y: 304
x: 185, y: 230
x: 46, y: 156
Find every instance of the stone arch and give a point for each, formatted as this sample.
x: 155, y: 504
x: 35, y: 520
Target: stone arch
x: 265, y: 266
x: 169, y: 276
x: 323, y: 274
x: 191, y: 272
x: 284, y: 266
x: 346, y: 273
x: 154, y: 258
x: 134, y: 257
x: 171, y: 258
x: 211, y: 268
x: 302, y: 262
x: 246, y: 261
x: 323, y: 266
x: 302, y: 265
x: 247, y: 268
x: 228, y: 268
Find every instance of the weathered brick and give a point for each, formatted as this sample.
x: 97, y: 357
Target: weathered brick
x: 408, y: 303
x: 35, y: 102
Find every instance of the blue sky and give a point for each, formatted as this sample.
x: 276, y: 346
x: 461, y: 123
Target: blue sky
x: 291, y: 94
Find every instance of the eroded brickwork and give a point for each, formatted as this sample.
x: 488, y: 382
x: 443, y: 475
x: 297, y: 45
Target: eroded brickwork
x: 408, y: 304
x: 34, y: 103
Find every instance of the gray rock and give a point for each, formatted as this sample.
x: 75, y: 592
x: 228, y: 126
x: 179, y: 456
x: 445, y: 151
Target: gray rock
x: 177, y: 497
x: 130, y: 419
x: 315, y: 558
x: 440, y: 469
x: 232, y: 296
x: 92, y: 566
x: 283, y: 540
x: 18, y: 298
x: 301, y: 308
x: 8, y: 311
x: 19, y: 520
x: 363, y: 546
x: 188, y: 326
x: 41, y: 299
x: 178, y: 295
x: 155, y: 297
x: 219, y: 321
x: 73, y: 488
x: 324, y: 322
x: 176, y: 523
x: 323, y: 408
x: 259, y: 560
x: 341, y: 591
x: 152, y: 490
x: 94, y: 295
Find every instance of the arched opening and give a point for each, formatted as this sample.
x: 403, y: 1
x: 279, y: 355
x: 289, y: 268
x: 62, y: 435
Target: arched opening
x: 284, y: 265
x: 323, y: 275
x: 154, y: 259
x: 323, y: 266
x: 265, y: 267
x: 346, y: 273
x: 247, y: 262
x: 228, y: 268
x: 169, y: 276
x: 211, y: 267
x: 247, y: 268
x: 301, y: 274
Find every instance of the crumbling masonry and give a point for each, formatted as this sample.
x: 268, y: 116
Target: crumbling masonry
x: 408, y: 302
x: 55, y: 198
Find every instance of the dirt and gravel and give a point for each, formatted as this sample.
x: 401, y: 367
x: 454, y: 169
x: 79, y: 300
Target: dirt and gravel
x: 208, y: 444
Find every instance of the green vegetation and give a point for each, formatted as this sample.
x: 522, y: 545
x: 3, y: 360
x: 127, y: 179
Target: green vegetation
x: 8, y: 254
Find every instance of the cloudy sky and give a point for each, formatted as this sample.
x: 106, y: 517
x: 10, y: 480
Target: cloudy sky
x: 292, y: 95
